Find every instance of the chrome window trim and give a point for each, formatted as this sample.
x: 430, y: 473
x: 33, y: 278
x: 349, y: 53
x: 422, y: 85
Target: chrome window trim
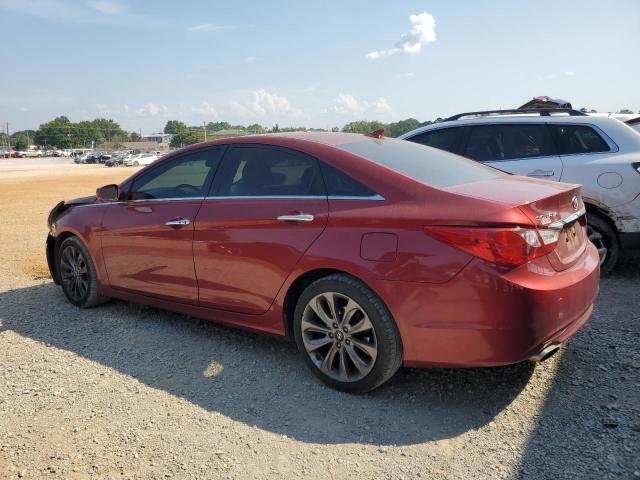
x: 376, y: 197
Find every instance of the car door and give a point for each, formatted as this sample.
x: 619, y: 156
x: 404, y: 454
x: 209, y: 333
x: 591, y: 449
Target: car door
x: 268, y: 205
x: 147, y: 238
x: 520, y: 148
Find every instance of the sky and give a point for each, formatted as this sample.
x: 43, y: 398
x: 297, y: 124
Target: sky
x: 317, y: 63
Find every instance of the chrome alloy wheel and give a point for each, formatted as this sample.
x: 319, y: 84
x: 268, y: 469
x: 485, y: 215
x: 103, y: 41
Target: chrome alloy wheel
x: 73, y: 273
x: 339, y: 337
x: 597, y: 239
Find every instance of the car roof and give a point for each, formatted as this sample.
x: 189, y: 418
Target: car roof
x: 602, y: 122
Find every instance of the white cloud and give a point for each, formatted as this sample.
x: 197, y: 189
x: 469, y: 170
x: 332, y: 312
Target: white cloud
x: 151, y: 109
x: 210, y: 27
x: 204, y: 109
x: 102, y: 109
x: 261, y: 103
x: 348, y: 105
x: 569, y: 74
x: 423, y: 31
x: 250, y: 59
x: 102, y: 12
x: 107, y: 7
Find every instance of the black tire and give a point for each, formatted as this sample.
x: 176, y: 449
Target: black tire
x: 388, y: 357
x: 74, y: 262
x: 604, y: 237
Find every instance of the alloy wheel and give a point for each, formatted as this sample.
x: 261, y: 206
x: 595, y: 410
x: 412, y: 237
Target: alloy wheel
x: 339, y: 337
x: 598, y: 240
x: 74, y: 273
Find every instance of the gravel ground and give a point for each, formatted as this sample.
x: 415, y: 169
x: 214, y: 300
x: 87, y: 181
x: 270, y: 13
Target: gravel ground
x: 125, y: 391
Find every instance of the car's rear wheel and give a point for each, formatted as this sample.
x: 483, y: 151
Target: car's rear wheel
x: 78, y: 275
x: 606, y: 242
x: 346, y: 334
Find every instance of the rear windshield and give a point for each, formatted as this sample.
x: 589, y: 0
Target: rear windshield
x: 427, y: 165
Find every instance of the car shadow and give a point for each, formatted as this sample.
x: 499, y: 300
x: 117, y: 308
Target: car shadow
x: 588, y: 426
x: 257, y: 379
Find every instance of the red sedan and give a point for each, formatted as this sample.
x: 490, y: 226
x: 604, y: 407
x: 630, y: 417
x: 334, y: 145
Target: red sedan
x: 370, y: 252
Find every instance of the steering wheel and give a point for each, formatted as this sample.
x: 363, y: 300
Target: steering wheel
x: 186, y: 188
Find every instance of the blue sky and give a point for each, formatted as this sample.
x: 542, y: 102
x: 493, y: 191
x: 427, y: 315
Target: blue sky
x: 314, y: 63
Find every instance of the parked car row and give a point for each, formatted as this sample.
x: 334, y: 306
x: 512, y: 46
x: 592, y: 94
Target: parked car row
x: 113, y: 159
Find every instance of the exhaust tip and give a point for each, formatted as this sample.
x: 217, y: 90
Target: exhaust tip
x: 545, y: 353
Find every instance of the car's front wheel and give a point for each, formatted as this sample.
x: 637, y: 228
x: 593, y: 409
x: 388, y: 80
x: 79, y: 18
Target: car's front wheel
x: 78, y: 275
x: 346, y: 334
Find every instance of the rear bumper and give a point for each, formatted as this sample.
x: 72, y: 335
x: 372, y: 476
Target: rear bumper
x: 484, y: 317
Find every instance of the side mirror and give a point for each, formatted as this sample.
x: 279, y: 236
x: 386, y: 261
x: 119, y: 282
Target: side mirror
x: 108, y: 193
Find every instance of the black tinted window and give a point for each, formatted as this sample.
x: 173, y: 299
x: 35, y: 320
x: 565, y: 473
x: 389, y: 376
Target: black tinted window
x: 443, y: 138
x: 340, y: 184
x: 427, y: 165
x: 187, y: 176
x: 505, y: 142
x: 572, y: 139
x: 263, y: 171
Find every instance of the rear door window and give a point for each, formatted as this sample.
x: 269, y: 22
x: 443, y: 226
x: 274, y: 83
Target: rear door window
x: 447, y: 139
x: 261, y: 171
x: 340, y: 184
x: 576, y: 139
x: 490, y: 143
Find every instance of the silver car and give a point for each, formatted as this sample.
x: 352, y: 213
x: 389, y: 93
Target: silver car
x: 600, y: 153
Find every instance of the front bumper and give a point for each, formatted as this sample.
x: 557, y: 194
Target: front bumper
x: 485, y: 317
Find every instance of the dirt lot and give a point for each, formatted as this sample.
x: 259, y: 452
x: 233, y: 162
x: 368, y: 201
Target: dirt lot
x: 124, y: 391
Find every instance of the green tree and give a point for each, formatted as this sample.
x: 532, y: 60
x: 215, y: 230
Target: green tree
x: 363, y: 126
x: 217, y: 126
x: 20, y: 142
x: 403, y: 126
x: 256, y: 128
x: 625, y: 110
x: 175, y: 127
x: 134, y: 137
x: 56, y: 133
x: 188, y: 137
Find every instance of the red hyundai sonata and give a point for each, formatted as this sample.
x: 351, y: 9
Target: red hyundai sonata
x: 370, y: 252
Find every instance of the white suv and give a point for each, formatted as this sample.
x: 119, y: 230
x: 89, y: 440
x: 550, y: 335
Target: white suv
x: 602, y: 154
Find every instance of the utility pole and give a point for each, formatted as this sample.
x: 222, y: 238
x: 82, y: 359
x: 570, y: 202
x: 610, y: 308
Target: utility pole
x: 204, y: 127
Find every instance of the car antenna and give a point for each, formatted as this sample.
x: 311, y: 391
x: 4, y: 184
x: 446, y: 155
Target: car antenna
x: 376, y: 133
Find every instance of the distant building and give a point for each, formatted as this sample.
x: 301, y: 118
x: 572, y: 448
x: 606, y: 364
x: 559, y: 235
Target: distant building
x: 232, y: 132
x: 140, y: 147
x: 162, y: 139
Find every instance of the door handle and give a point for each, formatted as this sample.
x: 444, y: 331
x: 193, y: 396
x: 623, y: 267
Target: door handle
x: 302, y: 217
x: 541, y: 173
x: 178, y: 222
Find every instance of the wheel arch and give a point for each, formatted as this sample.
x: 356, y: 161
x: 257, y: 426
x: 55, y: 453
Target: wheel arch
x: 305, y: 279
x: 601, y: 211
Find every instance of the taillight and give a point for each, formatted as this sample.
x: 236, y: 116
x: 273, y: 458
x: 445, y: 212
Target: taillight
x: 504, y: 246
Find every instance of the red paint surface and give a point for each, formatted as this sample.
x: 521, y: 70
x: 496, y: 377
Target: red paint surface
x: 235, y: 263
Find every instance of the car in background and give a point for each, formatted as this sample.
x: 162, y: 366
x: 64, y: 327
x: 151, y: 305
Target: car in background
x: 141, y: 159
x: 117, y: 160
x: 8, y: 153
x: 631, y: 119
x: 365, y: 250
x: 602, y: 154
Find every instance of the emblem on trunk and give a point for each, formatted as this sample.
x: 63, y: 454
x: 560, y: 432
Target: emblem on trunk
x: 545, y: 218
x: 575, y: 202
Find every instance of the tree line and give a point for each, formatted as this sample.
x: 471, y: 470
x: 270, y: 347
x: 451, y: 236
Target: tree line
x: 63, y: 133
